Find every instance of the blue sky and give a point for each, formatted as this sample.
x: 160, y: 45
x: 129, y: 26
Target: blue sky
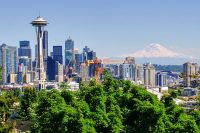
x: 109, y: 27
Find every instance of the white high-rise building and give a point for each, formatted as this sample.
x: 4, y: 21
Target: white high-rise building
x: 138, y: 73
x: 8, y: 61
x: 190, y: 70
x: 59, y: 72
x: 161, y: 79
x: 149, y: 75
x: 126, y: 71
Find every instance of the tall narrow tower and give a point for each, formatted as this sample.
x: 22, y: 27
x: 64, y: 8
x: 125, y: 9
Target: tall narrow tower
x: 39, y: 24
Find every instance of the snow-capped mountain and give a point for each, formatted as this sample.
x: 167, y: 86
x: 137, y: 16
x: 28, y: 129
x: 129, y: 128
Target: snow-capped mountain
x: 156, y: 54
x: 155, y: 51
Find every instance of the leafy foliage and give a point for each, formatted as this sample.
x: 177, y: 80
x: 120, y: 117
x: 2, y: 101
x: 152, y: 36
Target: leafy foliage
x: 28, y: 101
x: 111, y: 106
x: 8, y: 104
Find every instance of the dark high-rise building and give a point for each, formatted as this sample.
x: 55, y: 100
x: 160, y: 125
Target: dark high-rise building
x: 54, y: 70
x: 91, y: 69
x: 91, y: 55
x: 45, y: 48
x: 88, y: 54
x: 19, y: 77
x: 36, y: 51
x: 51, y: 70
x: 86, y: 49
x: 51, y: 54
x: 78, y: 62
x: 45, y: 44
x: 25, y: 49
x: 57, y: 54
x: 25, y: 53
x: 85, y: 53
x: 69, y: 53
x: 25, y: 64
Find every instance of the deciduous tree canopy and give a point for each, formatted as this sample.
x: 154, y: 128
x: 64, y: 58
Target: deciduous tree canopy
x: 112, y: 106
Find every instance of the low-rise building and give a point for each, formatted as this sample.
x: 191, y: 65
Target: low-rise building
x: 189, y: 92
x: 13, y: 78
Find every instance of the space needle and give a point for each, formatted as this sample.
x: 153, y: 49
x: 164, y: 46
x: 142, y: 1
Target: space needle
x: 39, y: 23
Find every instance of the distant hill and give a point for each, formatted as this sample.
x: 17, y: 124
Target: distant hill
x: 174, y: 68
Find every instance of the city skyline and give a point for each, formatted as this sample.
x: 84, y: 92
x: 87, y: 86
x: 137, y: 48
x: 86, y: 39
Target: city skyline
x: 126, y: 26
x: 100, y: 66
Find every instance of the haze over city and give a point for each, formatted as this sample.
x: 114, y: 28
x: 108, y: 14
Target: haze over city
x: 111, y: 28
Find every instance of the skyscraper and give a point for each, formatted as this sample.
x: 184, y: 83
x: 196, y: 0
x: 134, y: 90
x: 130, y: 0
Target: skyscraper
x: 189, y: 70
x: 138, y: 73
x: 24, y: 64
x: 25, y: 49
x: 45, y: 44
x: 8, y: 61
x: 88, y: 54
x: 59, y: 72
x: 91, y: 69
x: 126, y: 71
x: 57, y: 54
x: 36, y: 51
x: 84, y: 72
x: 113, y: 70
x: 149, y: 75
x: 51, y: 54
x: 51, y: 70
x: 161, y: 79
x: 77, y: 61
x: 91, y: 55
x: 45, y: 48
x: 25, y: 53
x: 54, y: 70
x: 69, y: 53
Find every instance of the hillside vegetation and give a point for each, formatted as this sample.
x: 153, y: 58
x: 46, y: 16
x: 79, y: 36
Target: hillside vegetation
x: 112, y: 106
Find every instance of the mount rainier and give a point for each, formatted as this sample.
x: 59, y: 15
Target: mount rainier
x: 155, y: 50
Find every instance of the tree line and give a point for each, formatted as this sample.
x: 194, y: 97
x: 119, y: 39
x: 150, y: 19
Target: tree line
x: 111, y: 106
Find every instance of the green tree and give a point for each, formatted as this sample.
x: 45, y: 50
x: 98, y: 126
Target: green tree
x: 111, y: 106
x: 50, y: 113
x: 174, y: 93
x: 64, y: 85
x: 87, y: 126
x: 196, y: 116
x: 185, y: 124
x: 7, y: 101
x: 4, y: 109
x: 68, y: 96
x: 28, y: 101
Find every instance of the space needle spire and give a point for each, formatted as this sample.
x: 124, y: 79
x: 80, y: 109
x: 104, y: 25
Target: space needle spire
x: 39, y: 23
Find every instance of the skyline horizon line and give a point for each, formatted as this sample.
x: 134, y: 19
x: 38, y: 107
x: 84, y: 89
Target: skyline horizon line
x: 33, y: 47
